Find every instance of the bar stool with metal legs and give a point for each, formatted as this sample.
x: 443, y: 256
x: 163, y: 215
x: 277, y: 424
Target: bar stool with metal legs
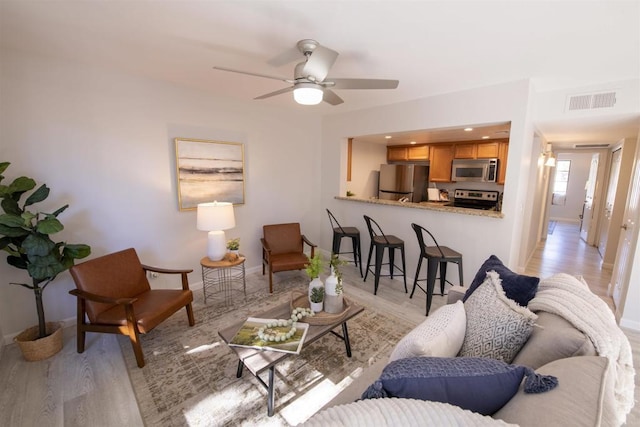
x: 436, y: 256
x: 351, y: 232
x: 380, y: 241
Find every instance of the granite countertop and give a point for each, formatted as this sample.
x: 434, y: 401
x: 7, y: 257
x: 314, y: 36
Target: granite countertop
x: 433, y: 206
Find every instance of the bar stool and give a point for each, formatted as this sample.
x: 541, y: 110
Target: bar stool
x: 351, y: 232
x: 380, y: 241
x: 436, y: 256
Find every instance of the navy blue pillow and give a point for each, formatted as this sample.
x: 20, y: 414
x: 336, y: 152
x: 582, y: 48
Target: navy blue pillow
x: 517, y: 287
x: 478, y: 384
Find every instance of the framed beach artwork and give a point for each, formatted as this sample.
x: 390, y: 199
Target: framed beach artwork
x: 209, y: 171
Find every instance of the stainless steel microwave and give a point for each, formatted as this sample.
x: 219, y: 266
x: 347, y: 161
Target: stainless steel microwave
x: 477, y: 170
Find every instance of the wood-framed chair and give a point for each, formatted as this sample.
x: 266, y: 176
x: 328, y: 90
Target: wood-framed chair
x: 114, y: 295
x: 283, y: 249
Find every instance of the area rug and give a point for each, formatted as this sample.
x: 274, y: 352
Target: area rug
x: 190, y: 373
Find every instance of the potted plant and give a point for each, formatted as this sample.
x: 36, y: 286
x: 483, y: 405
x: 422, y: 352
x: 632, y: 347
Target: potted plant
x: 26, y: 236
x: 333, y: 286
x: 313, y: 269
x: 316, y: 298
x: 233, y: 245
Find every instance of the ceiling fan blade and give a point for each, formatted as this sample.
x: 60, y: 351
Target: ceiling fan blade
x: 286, y: 57
x: 330, y: 97
x: 319, y: 63
x: 363, y: 84
x: 277, y: 92
x: 253, y: 74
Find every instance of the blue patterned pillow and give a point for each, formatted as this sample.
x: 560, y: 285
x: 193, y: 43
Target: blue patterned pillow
x: 477, y: 384
x: 517, y: 287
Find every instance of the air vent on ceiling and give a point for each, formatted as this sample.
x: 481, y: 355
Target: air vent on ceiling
x: 591, y: 101
x: 590, y: 145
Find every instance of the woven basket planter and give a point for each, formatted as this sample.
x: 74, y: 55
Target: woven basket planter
x: 34, y: 349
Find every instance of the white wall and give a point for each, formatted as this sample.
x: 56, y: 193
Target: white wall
x: 475, y: 237
x: 365, y: 168
x: 578, y: 176
x: 103, y: 143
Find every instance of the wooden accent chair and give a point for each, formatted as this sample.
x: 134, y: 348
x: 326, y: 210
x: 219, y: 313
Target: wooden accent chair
x: 283, y: 249
x: 114, y: 294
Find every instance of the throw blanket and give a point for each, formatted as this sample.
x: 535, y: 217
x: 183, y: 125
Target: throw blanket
x: 569, y: 297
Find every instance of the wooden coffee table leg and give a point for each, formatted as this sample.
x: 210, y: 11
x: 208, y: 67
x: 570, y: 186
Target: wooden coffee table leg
x: 347, y: 344
x: 240, y: 367
x: 270, y: 392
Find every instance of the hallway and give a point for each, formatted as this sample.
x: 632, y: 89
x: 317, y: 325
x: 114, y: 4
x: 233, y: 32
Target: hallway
x: 565, y: 252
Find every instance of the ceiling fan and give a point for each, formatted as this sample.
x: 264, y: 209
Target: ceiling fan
x: 309, y: 84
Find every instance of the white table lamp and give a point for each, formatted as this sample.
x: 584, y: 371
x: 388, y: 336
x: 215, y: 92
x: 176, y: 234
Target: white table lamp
x: 216, y: 217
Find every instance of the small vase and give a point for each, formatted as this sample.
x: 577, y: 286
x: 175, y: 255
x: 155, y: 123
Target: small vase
x: 316, y: 307
x: 333, y: 304
x: 315, y: 283
x: 330, y: 284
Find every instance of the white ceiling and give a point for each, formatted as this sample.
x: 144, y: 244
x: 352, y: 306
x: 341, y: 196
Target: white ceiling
x: 431, y: 47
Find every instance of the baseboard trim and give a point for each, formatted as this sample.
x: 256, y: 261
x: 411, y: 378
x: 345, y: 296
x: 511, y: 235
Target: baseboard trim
x: 630, y: 324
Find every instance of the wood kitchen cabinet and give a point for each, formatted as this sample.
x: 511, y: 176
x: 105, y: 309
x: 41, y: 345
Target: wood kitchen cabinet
x: 397, y: 154
x: 465, y: 151
x: 418, y: 152
x: 441, y: 156
x: 488, y: 150
x: 403, y: 153
x: 503, y: 152
x: 476, y: 150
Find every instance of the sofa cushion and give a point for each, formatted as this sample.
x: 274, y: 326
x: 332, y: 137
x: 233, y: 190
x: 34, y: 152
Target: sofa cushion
x: 497, y: 327
x: 477, y: 384
x: 553, y: 338
x: 440, y: 335
x: 399, y: 412
x: 583, y: 397
x: 517, y: 287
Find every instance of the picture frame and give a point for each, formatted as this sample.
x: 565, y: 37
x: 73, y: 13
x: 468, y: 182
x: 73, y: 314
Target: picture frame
x: 208, y: 171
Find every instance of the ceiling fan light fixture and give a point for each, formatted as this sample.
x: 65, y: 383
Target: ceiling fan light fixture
x: 307, y: 94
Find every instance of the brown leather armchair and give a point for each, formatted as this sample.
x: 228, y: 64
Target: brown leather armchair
x: 114, y: 294
x: 283, y: 249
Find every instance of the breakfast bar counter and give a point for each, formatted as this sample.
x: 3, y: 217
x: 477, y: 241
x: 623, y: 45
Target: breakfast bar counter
x: 434, y: 206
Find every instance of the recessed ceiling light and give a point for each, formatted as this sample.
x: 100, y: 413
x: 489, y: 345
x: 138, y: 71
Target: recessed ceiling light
x: 468, y: 129
x: 485, y: 137
x: 412, y: 142
x: 387, y: 137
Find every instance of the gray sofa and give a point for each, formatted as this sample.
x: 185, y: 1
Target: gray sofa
x: 584, y: 395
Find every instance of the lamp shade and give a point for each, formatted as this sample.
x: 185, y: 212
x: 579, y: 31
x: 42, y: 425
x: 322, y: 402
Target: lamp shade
x: 215, y: 216
x: 307, y: 94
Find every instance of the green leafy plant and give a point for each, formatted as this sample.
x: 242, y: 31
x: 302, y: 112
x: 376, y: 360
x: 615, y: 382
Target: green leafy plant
x: 335, y: 263
x: 233, y: 244
x: 314, y: 267
x: 25, y: 236
x: 317, y: 295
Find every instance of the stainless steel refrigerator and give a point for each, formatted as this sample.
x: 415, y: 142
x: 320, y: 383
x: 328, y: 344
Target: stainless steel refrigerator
x: 399, y: 181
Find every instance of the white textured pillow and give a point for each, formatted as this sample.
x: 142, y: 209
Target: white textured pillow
x: 497, y: 327
x: 440, y: 335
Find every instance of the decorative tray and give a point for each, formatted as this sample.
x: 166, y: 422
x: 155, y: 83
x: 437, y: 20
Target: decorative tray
x: 300, y: 299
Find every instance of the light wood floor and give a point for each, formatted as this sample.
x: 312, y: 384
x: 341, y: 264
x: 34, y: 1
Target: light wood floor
x: 93, y: 388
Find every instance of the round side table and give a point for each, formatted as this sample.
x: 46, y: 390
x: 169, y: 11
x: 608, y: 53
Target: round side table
x: 223, y: 275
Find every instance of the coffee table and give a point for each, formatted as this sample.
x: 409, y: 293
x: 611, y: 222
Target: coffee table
x: 257, y: 361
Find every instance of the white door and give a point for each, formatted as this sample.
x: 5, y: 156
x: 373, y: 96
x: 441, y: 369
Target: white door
x: 587, y: 212
x: 621, y: 269
x: 614, y: 172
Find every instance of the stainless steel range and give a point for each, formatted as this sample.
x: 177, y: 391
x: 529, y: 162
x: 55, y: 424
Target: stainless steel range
x: 476, y: 199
